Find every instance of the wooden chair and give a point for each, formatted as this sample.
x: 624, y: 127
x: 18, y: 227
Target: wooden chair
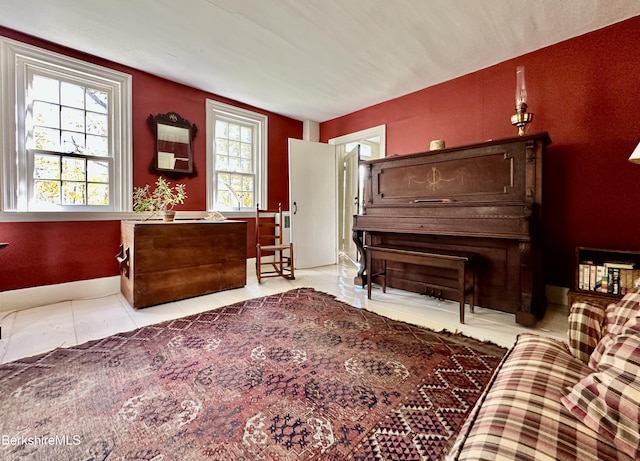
x: 270, y: 249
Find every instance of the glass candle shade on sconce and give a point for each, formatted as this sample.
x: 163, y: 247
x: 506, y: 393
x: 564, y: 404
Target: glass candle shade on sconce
x: 521, y: 117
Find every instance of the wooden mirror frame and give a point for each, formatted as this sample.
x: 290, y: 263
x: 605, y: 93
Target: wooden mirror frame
x: 174, y: 143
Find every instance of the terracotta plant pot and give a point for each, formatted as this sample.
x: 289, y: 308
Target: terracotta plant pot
x: 168, y: 215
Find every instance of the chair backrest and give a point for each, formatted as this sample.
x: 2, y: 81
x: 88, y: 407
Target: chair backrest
x: 268, y: 226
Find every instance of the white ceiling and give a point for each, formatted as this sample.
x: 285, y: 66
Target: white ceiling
x: 310, y: 59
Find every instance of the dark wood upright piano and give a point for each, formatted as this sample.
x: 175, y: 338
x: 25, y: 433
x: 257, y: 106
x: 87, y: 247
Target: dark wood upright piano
x: 484, y: 199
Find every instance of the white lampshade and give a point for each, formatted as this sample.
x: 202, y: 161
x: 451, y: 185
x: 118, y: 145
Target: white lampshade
x: 635, y: 155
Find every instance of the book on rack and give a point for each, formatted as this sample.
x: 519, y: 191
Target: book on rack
x: 611, y: 277
x: 628, y: 279
x: 619, y: 264
x: 620, y: 275
x: 614, y: 277
x: 584, y: 275
x: 601, y: 282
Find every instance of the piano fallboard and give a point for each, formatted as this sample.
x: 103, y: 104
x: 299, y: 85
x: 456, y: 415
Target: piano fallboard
x: 480, y: 220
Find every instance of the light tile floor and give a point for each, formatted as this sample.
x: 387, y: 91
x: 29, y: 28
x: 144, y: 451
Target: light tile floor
x: 40, y: 329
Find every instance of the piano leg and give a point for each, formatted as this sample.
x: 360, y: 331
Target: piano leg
x: 525, y: 315
x: 361, y: 276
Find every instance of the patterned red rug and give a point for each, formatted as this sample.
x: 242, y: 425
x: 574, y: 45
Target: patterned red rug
x: 293, y: 376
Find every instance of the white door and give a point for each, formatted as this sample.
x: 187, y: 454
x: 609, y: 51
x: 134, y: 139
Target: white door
x: 350, y: 202
x: 313, y: 203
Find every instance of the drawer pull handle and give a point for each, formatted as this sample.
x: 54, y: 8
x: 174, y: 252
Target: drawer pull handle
x: 123, y: 260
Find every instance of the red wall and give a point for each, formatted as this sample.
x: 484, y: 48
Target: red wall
x: 54, y: 252
x: 585, y: 93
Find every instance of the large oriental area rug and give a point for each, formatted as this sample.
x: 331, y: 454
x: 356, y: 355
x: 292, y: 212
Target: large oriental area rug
x: 297, y: 375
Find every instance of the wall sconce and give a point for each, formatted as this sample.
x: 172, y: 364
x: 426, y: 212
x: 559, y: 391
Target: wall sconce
x: 635, y: 155
x: 521, y: 118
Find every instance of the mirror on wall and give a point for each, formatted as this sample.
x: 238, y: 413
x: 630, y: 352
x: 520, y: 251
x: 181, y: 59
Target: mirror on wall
x: 174, y: 137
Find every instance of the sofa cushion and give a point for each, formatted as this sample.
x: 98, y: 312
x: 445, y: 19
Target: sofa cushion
x: 623, y: 353
x: 586, y: 327
x: 607, y: 401
x: 521, y: 416
x: 617, y: 315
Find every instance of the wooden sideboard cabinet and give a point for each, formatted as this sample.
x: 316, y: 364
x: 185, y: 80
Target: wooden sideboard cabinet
x: 167, y: 261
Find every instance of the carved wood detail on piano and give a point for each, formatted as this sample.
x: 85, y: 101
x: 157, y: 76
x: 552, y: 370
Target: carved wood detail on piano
x: 485, y: 197
x: 442, y: 178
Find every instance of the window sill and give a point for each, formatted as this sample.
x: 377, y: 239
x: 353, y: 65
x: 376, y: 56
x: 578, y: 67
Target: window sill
x: 57, y: 216
x: 238, y: 214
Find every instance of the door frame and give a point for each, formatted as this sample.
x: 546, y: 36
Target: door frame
x: 340, y: 142
x: 363, y: 135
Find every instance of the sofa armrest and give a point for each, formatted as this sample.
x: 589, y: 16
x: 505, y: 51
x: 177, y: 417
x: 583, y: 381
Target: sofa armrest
x: 586, y: 327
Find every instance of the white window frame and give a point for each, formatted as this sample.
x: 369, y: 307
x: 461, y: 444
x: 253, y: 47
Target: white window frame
x: 216, y: 109
x: 16, y: 60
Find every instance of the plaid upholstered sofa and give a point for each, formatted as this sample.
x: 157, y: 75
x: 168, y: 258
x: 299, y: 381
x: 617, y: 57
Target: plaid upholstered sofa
x: 554, y: 401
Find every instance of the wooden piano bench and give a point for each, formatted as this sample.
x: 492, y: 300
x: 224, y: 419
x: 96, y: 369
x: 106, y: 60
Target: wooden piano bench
x: 463, y: 263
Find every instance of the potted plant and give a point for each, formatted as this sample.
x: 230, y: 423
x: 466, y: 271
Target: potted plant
x: 162, y: 199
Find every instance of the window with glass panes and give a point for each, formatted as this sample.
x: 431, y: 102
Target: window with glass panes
x: 234, y: 164
x: 236, y: 158
x: 67, y: 143
x: 73, y: 143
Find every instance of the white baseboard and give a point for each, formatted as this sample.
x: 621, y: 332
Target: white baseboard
x: 557, y: 295
x: 25, y: 298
